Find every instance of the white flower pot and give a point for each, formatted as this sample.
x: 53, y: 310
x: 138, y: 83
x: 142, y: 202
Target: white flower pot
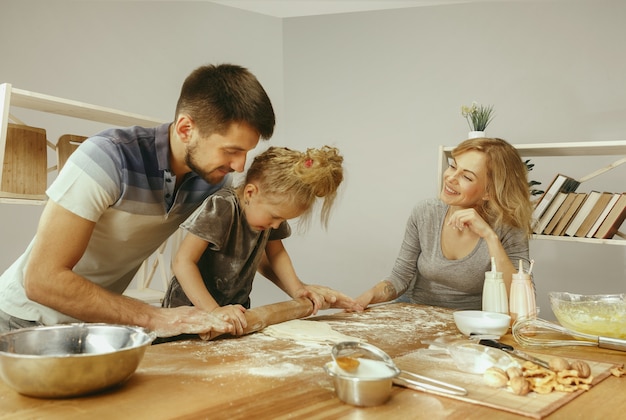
x: 475, y: 134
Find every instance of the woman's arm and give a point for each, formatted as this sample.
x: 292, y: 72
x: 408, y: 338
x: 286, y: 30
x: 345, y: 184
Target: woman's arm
x: 278, y: 268
x: 404, y: 268
x: 470, y: 219
x: 381, y: 292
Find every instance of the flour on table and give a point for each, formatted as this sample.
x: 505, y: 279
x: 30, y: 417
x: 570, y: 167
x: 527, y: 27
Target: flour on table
x: 302, y: 330
x: 277, y: 370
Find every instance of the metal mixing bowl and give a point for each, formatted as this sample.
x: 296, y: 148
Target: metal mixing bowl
x: 599, y: 315
x: 70, y: 360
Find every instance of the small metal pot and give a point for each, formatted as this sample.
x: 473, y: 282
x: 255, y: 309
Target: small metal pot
x: 70, y: 360
x: 371, y: 381
x: 363, y: 391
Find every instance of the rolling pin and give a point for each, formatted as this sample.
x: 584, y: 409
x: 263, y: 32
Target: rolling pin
x: 275, y: 313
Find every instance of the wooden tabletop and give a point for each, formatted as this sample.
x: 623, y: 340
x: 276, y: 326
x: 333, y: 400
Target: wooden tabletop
x: 262, y: 377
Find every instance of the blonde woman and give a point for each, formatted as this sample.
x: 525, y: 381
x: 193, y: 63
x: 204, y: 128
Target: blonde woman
x: 483, y: 211
x: 239, y: 231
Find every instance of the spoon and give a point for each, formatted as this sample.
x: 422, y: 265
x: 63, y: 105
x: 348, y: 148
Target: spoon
x: 347, y: 363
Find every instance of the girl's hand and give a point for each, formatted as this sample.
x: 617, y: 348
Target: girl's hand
x: 324, y: 298
x: 233, y: 314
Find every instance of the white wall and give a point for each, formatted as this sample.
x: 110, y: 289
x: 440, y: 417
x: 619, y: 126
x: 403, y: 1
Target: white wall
x: 131, y: 56
x: 386, y: 87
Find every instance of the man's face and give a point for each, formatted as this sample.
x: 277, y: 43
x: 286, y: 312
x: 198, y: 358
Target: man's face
x: 214, y: 156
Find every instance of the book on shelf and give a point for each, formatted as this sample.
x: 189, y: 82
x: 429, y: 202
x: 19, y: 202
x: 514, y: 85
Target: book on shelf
x: 613, y: 220
x: 545, y: 219
x: 569, y: 215
x: 603, y: 215
x: 569, y: 198
x: 560, y: 183
x: 594, y: 213
x: 583, y: 212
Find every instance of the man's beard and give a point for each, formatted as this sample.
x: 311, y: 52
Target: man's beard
x: 212, y: 177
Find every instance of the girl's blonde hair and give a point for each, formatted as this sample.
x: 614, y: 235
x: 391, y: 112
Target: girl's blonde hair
x: 297, y: 178
x: 507, y: 183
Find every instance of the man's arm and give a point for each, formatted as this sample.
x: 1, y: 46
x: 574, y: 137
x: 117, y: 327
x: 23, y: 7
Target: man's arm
x: 60, y: 242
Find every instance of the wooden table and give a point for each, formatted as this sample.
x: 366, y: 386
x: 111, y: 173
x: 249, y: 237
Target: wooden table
x: 261, y: 377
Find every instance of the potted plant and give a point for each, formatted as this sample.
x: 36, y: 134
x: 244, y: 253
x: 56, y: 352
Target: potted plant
x: 478, y: 118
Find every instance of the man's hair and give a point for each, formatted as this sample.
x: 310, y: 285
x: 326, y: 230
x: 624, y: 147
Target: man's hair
x: 215, y: 96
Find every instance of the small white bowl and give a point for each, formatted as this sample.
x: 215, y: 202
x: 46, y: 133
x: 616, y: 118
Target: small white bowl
x: 481, y: 322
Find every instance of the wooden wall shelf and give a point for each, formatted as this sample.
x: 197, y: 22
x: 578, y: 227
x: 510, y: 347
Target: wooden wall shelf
x: 12, y: 97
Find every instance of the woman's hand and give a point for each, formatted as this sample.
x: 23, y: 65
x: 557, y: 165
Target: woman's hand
x: 233, y: 314
x: 470, y: 219
x: 381, y: 292
x: 365, y: 298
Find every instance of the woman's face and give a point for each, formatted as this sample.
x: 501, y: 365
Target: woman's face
x: 465, y: 180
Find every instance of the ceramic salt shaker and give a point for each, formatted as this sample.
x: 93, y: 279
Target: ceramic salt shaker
x: 522, y: 303
x: 494, y: 291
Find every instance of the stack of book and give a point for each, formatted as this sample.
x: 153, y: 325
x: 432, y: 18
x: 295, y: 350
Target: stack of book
x: 562, y: 211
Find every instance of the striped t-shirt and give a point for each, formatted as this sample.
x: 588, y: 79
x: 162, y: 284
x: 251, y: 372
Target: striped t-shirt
x: 121, y: 180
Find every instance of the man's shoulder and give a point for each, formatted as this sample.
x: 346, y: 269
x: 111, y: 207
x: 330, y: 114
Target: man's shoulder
x: 125, y: 134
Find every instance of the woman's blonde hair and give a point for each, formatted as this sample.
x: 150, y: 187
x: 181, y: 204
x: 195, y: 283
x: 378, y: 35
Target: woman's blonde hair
x: 298, y: 178
x: 507, y: 183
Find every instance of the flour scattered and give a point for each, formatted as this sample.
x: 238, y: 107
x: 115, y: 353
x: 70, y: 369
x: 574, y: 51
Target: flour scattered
x: 307, y: 331
x: 276, y: 371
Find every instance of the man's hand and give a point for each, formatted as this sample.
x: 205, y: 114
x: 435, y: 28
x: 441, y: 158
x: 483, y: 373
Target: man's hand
x: 233, y: 314
x: 188, y: 320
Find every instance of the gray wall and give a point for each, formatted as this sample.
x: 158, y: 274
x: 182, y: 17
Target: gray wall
x: 386, y: 87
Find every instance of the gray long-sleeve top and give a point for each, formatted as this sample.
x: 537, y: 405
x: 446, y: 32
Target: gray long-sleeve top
x: 429, y: 278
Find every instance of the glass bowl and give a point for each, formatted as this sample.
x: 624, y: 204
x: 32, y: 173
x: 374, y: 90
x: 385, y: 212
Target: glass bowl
x: 599, y: 315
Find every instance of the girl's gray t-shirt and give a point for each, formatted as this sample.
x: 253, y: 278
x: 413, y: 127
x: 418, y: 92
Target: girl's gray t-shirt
x: 229, y: 264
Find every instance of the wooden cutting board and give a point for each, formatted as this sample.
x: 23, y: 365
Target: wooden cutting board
x: 435, y: 364
x: 24, y: 171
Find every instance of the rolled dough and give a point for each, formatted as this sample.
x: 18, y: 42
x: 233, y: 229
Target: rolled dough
x: 303, y: 330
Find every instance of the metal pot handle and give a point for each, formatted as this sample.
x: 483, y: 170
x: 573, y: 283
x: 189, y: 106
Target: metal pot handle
x: 426, y: 384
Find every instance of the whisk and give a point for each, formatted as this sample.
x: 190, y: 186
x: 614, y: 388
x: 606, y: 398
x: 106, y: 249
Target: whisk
x: 537, y: 332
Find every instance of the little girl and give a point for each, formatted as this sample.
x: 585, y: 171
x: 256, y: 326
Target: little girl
x: 236, y: 232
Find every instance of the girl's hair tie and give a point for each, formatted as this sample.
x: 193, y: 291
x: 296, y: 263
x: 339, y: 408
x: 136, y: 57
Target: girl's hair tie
x: 308, y: 163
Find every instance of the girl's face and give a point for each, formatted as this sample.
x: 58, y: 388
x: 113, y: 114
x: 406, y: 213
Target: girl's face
x: 262, y: 213
x: 465, y: 180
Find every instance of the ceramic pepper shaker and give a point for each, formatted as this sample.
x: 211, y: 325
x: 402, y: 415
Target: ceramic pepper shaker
x: 494, y: 291
x: 522, y: 303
